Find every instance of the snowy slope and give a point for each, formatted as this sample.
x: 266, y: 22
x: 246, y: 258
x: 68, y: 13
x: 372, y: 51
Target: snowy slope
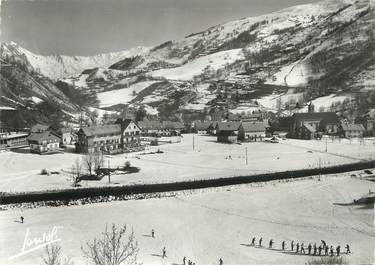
x: 196, y: 67
x: 321, y: 48
x: 123, y: 95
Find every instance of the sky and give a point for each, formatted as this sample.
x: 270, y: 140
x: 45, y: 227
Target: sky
x: 88, y: 27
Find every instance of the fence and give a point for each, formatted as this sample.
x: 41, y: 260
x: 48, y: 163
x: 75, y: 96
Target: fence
x: 73, y: 194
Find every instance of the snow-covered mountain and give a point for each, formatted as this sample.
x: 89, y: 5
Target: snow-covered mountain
x: 60, y: 66
x: 321, y: 52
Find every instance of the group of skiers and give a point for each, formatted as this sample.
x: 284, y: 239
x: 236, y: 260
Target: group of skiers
x: 189, y: 262
x: 322, y: 249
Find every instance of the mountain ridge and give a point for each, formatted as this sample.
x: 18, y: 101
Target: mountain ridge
x: 60, y: 66
x: 297, y: 54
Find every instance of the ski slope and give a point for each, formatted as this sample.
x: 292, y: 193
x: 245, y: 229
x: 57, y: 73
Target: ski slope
x: 206, y: 225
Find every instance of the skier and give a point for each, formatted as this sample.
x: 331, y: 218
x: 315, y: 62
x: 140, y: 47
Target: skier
x: 184, y: 260
x: 320, y: 250
x: 283, y: 245
x: 326, y: 250
x: 292, y: 245
x: 297, y: 248
x: 221, y: 261
x: 324, y: 243
x: 347, y: 249
x: 315, y: 249
x: 260, y: 241
x: 309, y: 248
x: 164, y: 252
x: 338, y: 250
x: 22, y: 219
x: 253, y: 241
x: 331, y: 250
x: 302, y: 248
x: 153, y: 233
x: 271, y: 243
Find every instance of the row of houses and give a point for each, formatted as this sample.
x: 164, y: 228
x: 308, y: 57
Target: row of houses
x: 232, y: 131
x: 40, y: 138
x: 122, y: 136
x: 161, y: 128
x: 312, y: 125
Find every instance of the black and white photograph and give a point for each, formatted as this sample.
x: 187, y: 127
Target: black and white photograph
x: 187, y: 132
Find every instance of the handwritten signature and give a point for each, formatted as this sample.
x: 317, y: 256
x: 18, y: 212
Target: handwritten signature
x: 31, y: 244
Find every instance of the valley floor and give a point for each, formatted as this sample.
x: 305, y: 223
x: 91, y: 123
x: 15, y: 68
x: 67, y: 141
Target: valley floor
x: 20, y: 170
x: 206, y: 225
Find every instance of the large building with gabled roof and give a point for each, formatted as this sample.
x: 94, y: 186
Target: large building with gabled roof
x: 308, y: 125
x: 252, y: 131
x: 227, y: 132
x: 43, y: 142
x: 123, y: 136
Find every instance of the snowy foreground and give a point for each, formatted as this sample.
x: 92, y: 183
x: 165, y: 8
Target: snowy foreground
x: 205, y: 225
x: 20, y: 171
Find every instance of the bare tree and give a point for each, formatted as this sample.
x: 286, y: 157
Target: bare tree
x: 112, y: 247
x: 76, y: 171
x: 53, y: 256
x: 89, y: 161
x: 98, y: 160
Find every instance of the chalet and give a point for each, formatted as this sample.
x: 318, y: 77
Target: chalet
x: 351, y: 130
x: 309, y: 125
x: 66, y: 136
x: 13, y: 139
x: 173, y: 128
x: 39, y: 128
x: 43, y: 142
x: 252, y: 131
x: 227, y: 132
x: 158, y: 128
x: 151, y: 128
x: 202, y: 127
x: 130, y: 135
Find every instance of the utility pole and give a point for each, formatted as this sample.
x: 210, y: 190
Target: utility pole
x: 320, y: 168
x: 246, y: 155
x: 109, y: 169
x: 326, y: 144
x: 193, y: 142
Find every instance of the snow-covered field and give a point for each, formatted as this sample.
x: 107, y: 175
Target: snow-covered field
x: 179, y: 162
x: 194, y: 68
x: 206, y: 225
x: 122, y: 96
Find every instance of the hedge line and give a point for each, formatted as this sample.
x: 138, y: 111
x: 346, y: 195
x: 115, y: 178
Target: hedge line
x: 73, y: 194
